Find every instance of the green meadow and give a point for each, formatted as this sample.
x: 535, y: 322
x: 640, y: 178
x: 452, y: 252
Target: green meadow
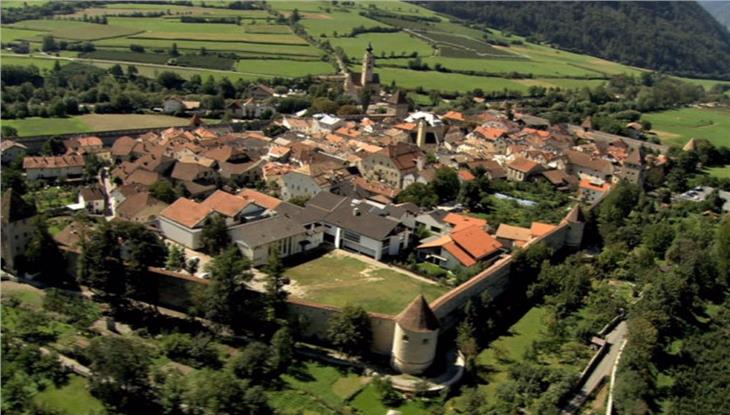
x: 91, y: 122
x: 676, y: 127
x: 73, y: 30
x: 384, y: 44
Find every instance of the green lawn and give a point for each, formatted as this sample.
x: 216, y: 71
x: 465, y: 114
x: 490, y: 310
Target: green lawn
x: 73, y: 398
x: 367, y: 402
x: 510, y: 347
x: 339, y: 280
x: 91, y: 122
x: 315, y: 388
x: 721, y: 172
x: 676, y: 127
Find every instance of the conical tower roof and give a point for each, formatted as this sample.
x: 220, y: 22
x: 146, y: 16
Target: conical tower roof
x: 418, y: 316
x: 575, y: 215
x: 691, y: 145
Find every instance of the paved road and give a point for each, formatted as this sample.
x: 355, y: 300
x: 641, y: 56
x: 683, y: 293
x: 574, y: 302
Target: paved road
x: 601, y: 370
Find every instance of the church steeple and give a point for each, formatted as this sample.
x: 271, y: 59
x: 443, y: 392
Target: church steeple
x: 368, y: 64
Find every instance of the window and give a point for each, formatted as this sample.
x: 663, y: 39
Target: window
x: 405, y: 338
x: 424, y: 341
x: 352, y: 236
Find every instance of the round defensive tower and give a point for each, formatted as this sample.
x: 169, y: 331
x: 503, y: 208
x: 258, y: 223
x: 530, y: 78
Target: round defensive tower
x: 415, y: 337
x: 576, y: 225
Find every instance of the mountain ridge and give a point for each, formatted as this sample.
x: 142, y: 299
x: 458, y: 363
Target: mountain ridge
x: 681, y: 38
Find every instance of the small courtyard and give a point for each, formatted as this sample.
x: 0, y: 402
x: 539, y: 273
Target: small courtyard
x: 339, y: 278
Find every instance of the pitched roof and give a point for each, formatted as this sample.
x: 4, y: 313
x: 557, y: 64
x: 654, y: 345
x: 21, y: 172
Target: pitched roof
x: 261, y: 199
x: 418, y: 316
x: 538, y: 229
x: 225, y: 203
x: 460, y: 221
x: 186, y: 212
x: 466, y: 175
x: 461, y: 255
x: 188, y: 171
x: 262, y: 232
x: 138, y: 203
x: 142, y: 176
x: 90, y: 193
x: 584, y: 160
x: 123, y: 146
x: 523, y: 165
x: 513, y: 233
x: 357, y: 219
x: 326, y: 201
x: 476, y: 242
x: 436, y: 241
x: 71, y: 160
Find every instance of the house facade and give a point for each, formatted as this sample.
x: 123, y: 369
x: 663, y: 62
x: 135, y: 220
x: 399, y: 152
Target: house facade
x: 55, y: 167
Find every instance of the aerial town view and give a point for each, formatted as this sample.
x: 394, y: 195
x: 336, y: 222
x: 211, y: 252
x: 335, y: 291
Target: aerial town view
x: 365, y: 207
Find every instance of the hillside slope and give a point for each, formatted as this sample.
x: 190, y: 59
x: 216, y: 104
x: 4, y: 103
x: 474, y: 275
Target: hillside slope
x: 677, y: 37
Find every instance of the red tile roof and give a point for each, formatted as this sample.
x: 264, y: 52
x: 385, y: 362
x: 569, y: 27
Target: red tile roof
x: 259, y: 198
x: 523, y: 165
x: 476, y: 242
x: 186, y: 212
x: 458, y: 253
x: 463, y: 221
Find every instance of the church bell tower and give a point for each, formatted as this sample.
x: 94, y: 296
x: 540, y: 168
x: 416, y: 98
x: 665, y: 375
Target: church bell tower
x: 368, y: 65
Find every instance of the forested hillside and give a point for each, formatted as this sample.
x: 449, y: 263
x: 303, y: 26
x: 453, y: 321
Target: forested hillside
x: 677, y: 37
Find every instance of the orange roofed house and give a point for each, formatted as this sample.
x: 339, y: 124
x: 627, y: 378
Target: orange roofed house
x: 465, y: 245
x: 521, y: 169
x: 183, y: 220
x: 54, y: 167
x: 591, y: 190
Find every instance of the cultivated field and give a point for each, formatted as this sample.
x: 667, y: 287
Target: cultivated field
x: 91, y: 122
x: 339, y: 279
x: 678, y: 126
x: 257, y: 41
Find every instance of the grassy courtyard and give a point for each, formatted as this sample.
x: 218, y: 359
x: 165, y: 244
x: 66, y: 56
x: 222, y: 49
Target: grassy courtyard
x: 338, y: 279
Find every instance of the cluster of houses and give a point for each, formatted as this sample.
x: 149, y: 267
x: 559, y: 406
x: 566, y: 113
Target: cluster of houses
x: 335, y: 180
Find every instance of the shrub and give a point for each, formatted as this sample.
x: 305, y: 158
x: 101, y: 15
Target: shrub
x: 197, y: 351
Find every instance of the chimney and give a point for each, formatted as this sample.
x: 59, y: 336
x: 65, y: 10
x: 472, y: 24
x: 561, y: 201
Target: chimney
x: 421, y: 134
x: 356, y: 211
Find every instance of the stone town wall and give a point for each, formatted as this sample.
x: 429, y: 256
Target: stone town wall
x: 175, y: 290
x: 493, y: 279
x: 317, y: 316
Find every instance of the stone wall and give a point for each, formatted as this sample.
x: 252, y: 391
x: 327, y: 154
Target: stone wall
x: 317, y: 316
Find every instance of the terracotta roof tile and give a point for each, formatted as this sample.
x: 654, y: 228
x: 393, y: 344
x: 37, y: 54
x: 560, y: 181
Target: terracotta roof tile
x: 186, y: 212
x: 476, y: 242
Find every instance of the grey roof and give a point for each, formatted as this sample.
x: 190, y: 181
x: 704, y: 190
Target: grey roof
x: 268, y: 230
x: 326, y: 201
x: 288, y: 209
x: 358, y: 219
x: 14, y: 208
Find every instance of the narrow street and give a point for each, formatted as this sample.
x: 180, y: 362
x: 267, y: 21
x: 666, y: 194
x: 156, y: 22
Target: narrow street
x: 602, y: 370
